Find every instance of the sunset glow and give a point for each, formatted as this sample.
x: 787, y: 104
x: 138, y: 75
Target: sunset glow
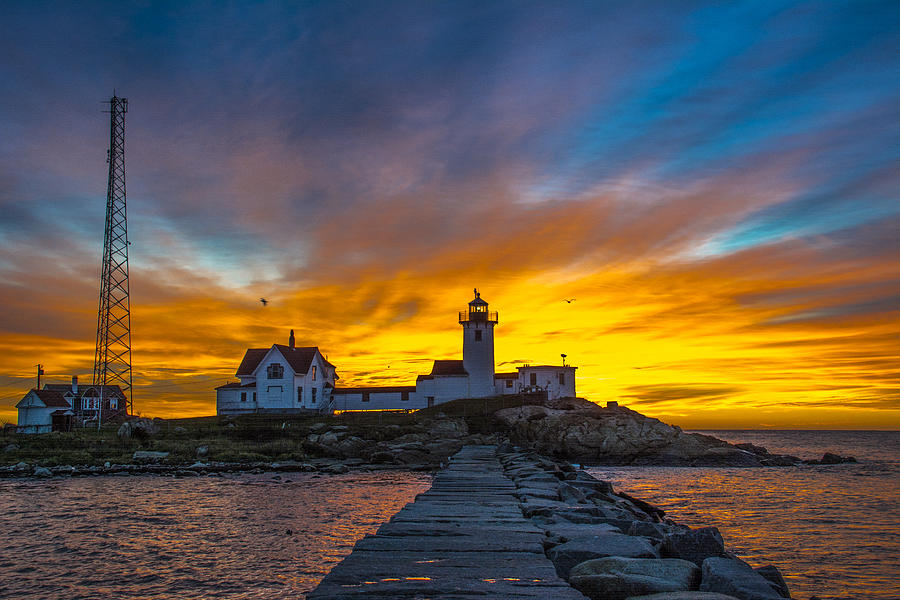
x: 716, y: 187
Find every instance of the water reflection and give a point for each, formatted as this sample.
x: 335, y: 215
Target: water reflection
x: 831, y: 536
x: 153, y: 537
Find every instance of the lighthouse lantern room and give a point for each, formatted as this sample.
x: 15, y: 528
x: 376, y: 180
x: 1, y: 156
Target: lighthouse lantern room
x: 478, y: 346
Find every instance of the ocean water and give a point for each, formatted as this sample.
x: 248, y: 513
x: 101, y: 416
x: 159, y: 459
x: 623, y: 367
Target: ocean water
x: 209, y: 537
x: 832, y: 530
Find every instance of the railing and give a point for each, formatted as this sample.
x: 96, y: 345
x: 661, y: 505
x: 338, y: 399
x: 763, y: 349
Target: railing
x: 467, y: 316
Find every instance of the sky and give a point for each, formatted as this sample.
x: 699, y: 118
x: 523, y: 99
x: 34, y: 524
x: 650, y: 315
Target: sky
x: 715, y: 184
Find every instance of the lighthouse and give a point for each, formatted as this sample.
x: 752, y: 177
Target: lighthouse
x: 478, y: 346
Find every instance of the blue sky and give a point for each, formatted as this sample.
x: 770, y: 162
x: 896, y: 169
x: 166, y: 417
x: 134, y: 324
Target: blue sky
x: 277, y: 148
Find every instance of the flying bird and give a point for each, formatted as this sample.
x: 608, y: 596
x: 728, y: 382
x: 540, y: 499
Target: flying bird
x: 264, y: 301
x: 569, y: 301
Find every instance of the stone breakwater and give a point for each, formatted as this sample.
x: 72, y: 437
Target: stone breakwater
x: 611, y: 546
x: 500, y: 522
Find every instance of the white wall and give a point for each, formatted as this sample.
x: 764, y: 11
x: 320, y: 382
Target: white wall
x: 500, y: 388
x: 378, y: 401
x: 451, y: 387
x: 547, y: 377
x: 478, y: 357
x: 33, y: 416
x: 228, y: 401
x: 278, y: 392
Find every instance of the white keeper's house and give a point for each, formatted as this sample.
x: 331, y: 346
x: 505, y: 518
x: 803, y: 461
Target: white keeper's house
x: 288, y: 379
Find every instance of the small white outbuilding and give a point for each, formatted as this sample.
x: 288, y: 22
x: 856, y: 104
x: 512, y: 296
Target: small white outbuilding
x: 43, y: 411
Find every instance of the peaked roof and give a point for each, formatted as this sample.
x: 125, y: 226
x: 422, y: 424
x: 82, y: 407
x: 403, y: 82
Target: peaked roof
x: 108, y: 390
x: 300, y: 359
x: 66, y: 388
x: 448, y: 367
x: 62, y: 388
x: 48, y: 397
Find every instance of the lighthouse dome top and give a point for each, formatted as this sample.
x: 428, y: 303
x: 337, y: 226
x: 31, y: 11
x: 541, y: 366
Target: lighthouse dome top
x: 478, y: 301
x: 477, y: 311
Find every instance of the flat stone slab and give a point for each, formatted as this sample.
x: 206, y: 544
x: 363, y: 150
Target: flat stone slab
x: 465, y: 538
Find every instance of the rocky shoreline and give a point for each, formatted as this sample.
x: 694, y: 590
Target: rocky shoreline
x: 578, y: 430
x: 610, y: 546
x: 572, y: 430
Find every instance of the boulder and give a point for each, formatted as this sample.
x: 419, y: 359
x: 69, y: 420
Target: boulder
x: 448, y: 428
x: 202, y: 451
x: 140, y: 429
x: 335, y: 469
x: 736, y: 578
x: 695, y: 545
x: 10, y: 447
x: 617, y: 578
x: 351, y: 446
x: 180, y: 430
x: 752, y: 448
x: 775, y: 577
x: 691, y: 595
x: 833, y: 459
x: 657, y: 531
x: 148, y: 456
x: 42, y: 472
x: 580, y: 549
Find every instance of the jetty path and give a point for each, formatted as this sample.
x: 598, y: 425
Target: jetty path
x: 464, y: 538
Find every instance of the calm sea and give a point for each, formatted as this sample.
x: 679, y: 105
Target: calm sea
x: 832, y: 530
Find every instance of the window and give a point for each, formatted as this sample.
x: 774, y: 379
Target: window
x: 300, y: 394
x: 509, y: 383
x: 313, y: 401
x: 365, y: 396
x: 477, y: 335
x: 430, y: 400
x: 243, y: 396
x: 254, y: 396
x: 562, y: 378
x: 534, y: 379
x: 314, y: 373
x: 113, y: 404
x: 404, y: 396
x: 275, y: 371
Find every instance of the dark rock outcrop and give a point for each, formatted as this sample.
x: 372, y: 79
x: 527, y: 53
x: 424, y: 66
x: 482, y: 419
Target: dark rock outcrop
x: 580, y: 430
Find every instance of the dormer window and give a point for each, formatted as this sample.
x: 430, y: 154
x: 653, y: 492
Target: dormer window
x: 314, y: 373
x: 275, y: 371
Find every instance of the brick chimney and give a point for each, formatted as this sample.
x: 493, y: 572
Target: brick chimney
x: 291, y: 340
x: 75, y: 384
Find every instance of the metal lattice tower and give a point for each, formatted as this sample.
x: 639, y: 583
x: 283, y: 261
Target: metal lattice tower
x: 112, y: 364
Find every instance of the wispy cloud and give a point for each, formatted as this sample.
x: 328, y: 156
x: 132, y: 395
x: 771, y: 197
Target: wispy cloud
x: 715, y: 184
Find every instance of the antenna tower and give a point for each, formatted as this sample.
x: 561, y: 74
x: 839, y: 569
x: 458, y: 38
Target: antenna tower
x: 112, y: 363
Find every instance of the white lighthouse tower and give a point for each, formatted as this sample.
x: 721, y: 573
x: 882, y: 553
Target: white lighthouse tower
x: 478, y: 346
